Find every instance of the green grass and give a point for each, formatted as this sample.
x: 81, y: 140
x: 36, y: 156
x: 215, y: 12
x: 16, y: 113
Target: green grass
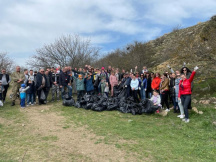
x: 150, y: 137
x: 161, y: 138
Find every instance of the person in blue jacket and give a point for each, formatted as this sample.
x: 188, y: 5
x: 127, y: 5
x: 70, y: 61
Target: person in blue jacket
x: 143, y: 86
x: 89, y: 84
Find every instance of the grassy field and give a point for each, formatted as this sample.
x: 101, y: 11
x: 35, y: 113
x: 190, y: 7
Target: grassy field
x: 144, y: 137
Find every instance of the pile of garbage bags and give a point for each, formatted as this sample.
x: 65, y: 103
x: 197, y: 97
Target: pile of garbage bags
x: 120, y: 103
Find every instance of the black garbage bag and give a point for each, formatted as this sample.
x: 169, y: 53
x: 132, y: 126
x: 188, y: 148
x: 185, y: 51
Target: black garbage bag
x: 70, y: 102
x: 94, y: 105
x: 148, y: 106
x: 125, y: 109
x: 88, y: 106
x: 77, y: 104
x: 137, y: 109
x: 67, y: 97
x: 95, y: 98
x: 123, y: 93
x: 99, y: 108
x: 104, y: 105
x: 102, y: 100
x: 130, y: 99
x: 87, y: 98
x: 82, y: 101
x: 111, y: 107
x: 116, y: 90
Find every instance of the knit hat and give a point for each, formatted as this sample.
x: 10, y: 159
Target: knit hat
x: 102, y: 68
x: 23, y: 85
x: 79, y: 76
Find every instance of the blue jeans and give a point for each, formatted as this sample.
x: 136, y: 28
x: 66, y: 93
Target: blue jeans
x: 143, y: 93
x: 63, y: 91
x: 69, y: 90
x: 149, y: 94
x: 30, y: 98
x: 175, y: 104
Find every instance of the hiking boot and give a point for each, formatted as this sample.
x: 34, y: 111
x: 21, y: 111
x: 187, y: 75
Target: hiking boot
x: 13, y: 103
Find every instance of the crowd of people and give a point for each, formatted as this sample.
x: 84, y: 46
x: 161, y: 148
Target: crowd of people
x: 170, y: 88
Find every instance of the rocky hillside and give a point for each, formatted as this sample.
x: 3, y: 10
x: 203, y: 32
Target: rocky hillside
x: 194, y: 45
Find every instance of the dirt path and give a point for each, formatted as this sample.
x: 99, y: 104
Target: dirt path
x: 71, y: 144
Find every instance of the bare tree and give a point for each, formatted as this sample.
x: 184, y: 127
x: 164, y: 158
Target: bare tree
x: 67, y: 50
x: 6, y: 62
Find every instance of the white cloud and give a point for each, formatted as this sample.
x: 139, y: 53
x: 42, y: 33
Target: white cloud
x: 169, y: 12
x: 28, y: 24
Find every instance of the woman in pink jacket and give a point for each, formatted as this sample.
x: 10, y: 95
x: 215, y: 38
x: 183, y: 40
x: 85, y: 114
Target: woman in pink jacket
x: 113, y: 81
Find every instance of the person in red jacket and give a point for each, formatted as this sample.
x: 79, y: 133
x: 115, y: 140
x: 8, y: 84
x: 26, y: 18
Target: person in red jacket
x: 156, y: 82
x: 185, y: 92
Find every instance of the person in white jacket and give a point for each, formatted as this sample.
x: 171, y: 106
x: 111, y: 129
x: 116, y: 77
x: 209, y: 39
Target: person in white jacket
x: 134, y: 87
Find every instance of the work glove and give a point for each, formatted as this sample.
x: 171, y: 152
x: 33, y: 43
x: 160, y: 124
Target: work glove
x: 196, y: 68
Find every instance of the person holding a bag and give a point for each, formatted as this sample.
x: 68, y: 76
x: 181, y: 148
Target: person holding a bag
x: 41, y: 86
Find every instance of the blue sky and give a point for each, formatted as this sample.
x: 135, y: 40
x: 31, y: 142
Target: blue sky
x: 26, y: 25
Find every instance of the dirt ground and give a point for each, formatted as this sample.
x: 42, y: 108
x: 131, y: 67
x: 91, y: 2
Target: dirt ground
x: 70, y: 144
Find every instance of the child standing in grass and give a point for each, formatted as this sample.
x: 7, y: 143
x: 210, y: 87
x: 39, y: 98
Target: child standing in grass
x: 22, y: 91
x: 106, y: 90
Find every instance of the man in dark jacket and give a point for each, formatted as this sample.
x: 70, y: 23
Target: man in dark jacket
x: 5, y: 78
x: 49, y: 82
x: 127, y: 84
x: 64, y: 81
x: 41, y: 84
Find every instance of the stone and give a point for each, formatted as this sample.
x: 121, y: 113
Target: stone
x: 195, y: 110
x: 205, y: 102
x: 200, y: 112
x: 194, y: 101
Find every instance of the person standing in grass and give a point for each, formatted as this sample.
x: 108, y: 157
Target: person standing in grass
x: 185, y: 92
x: 80, y: 86
x: 149, y: 89
x: 164, y: 91
x: 143, y: 85
x: 156, y: 82
x: 89, y: 84
x: 134, y: 84
x: 178, y: 102
x: 55, y: 85
x: 113, y: 81
x: 17, y: 78
x: 5, y: 78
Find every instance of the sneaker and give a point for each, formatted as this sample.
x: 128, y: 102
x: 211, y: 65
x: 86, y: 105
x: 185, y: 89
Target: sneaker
x: 22, y: 107
x: 27, y: 105
x: 167, y: 110
x: 187, y: 120
x: 179, y: 116
x: 182, y: 116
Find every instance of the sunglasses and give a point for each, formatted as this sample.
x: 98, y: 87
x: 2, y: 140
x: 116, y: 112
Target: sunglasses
x: 184, y: 70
